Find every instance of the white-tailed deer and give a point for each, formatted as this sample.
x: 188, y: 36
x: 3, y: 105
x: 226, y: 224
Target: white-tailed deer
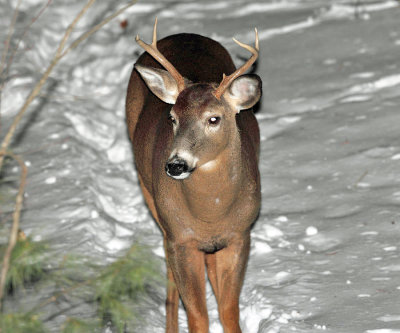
x: 196, y: 156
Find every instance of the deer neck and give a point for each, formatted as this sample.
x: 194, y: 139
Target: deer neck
x: 212, y: 189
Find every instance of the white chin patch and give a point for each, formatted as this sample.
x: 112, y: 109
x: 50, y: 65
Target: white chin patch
x: 209, y: 165
x: 181, y: 176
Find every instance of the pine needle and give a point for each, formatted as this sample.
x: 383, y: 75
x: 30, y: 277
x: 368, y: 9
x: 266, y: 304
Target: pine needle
x: 74, y: 325
x: 26, y: 264
x: 20, y: 323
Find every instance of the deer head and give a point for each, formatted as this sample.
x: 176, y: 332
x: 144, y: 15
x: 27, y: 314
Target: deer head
x: 203, y: 114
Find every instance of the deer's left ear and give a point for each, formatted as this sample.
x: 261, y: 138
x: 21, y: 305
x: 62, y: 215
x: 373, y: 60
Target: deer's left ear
x: 244, y: 92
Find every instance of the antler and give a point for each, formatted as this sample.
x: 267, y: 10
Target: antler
x: 227, y: 80
x: 153, y: 50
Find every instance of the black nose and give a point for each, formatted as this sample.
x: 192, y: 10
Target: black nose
x: 176, y: 167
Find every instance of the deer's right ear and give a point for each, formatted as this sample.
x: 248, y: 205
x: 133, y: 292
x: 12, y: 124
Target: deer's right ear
x: 244, y: 92
x: 160, y: 82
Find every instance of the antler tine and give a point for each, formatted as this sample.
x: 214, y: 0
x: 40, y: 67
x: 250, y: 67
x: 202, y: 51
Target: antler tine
x: 227, y: 80
x: 156, y: 54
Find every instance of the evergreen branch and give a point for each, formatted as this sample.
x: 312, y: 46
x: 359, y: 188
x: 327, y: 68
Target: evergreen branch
x: 21, y: 323
x: 54, y: 298
x: 15, y: 225
x: 74, y: 325
x: 27, y: 262
x: 116, y: 284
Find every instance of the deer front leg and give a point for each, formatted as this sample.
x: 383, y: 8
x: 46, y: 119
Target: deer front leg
x: 187, y: 266
x: 230, y: 269
x: 172, y: 301
x: 211, y: 265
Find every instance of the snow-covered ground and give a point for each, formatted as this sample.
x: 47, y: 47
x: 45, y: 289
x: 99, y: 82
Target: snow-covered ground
x: 325, y: 252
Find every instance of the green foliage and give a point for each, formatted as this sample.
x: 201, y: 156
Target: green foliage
x: 20, y: 323
x: 26, y: 264
x: 7, y: 196
x: 73, y: 325
x: 122, y: 281
x: 116, y: 287
x: 73, y: 270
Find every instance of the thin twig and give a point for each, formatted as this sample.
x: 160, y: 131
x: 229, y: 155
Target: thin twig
x: 4, y: 54
x: 97, y: 27
x: 360, y: 178
x: 35, y: 91
x: 26, y: 29
x: 9, y: 36
x: 72, y: 26
x: 15, y: 226
x: 60, y: 53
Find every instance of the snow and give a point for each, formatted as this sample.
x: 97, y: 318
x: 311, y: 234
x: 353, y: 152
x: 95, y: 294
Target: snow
x: 396, y: 157
x: 260, y: 248
x: 252, y: 315
x: 389, y: 318
x: 50, y: 180
x: 311, y: 231
x: 383, y: 330
x: 325, y: 253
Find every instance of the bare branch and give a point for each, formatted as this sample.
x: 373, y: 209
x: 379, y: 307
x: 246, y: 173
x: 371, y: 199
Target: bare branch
x: 75, y: 43
x: 4, y: 73
x: 15, y: 225
x: 4, y: 54
x: 60, y: 53
x: 9, y: 36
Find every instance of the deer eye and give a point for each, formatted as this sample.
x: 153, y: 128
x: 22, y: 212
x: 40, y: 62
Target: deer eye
x: 171, y: 119
x: 214, y: 120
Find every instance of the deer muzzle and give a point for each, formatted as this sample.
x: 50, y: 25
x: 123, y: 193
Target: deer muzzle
x: 178, y: 168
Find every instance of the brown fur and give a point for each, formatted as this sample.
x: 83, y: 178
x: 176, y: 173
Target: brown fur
x: 206, y: 218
